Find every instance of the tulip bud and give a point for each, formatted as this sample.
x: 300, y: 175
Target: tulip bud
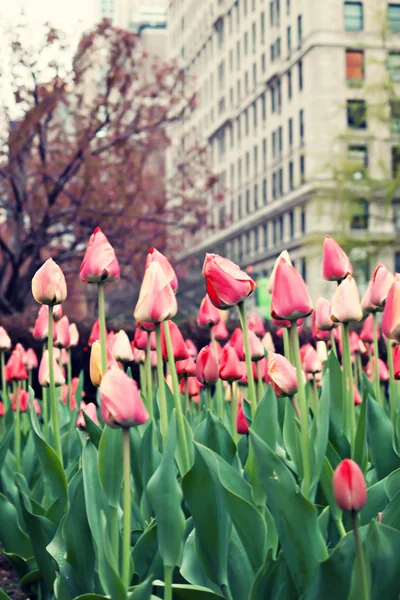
x: 2, y: 410
x: 349, y: 486
x: 282, y: 375
x: 242, y: 426
x: 366, y: 302
x: 99, y: 264
x: 121, y: 347
x: 256, y: 324
x: 44, y: 371
x: 346, y: 305
x: 286, y: 258
x: 73, y: 335
x: 157, y: 302
x: 186, y: 368
x: 226, y: 284
x: 30, y: 360
x: 290, y: 299
x: 268, y: 342
x: 95, y: 333
x: 323, y: 315
x: 5, y: 342
x: 335, y: 262
x: 15, y: 368
x: 256, y: 347
x: 382, y: 369
x: 230, y: 368
x: 48, y: 284
x: 95, y: 366
x: 309, y: 358
x: 220, y: 331
x: 91, y: 411
x: 391, y: 313
x: 367, y: 331
x: 140, y: 339
x: 156, y: 256
x: 317, y: 333
x: 237, y: 342
x: 63, y: 335
x: 208, y: 314
x: 23, y: 400
x: 396, y: 362
x: 121, y: 404
x: 194, y: 388
x: 179, y: 347
x: 64, y: 397
x: 41, y: 327
x: 322, y: 352
x: 382, y: 281
x: 193, y: 352
x: 207, y: 371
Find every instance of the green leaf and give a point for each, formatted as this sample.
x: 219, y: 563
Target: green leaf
x: 110, y: 464
x: 145, y: 554
x: 4, y: 445
x: 291, y: 436
x: 376, y: 502
x: 273, y: 581
x: 190, y: 592
x: 142, y: 591
x: 93, y: 430
x: 382, y: 550
x: 295, y: 517
x: 380, y: 437
x: 391, y: 514
x: 180, y: 461
x: 3, y: 595
x: 14, y: 539
x: 332, y: 367
x: 165, y: 496
x: 360, y: 450
x: 265, y: 422
x: 191, y: 568
x: 240, y: 571
x: 213, y: 434
x: 392, y: 484
x: 320, y: 432
x: 327, y: 487
x: 92, y: 597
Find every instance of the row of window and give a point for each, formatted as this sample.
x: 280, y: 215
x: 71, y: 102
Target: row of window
x: 355, y: 69
x: 354, y: 16
x: 275, y: 48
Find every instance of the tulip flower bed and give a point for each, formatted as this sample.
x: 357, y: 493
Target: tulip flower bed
x: 230, y: 472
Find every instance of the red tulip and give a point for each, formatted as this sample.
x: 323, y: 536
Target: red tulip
x: 218, y: 348
x: 73, y: 335
x: 242, y: 425
x: 23, y: 399
x: 193, y: 352
x: 208, y: 314
x: 207, y: 371
x: 2, y: 410
x: 244, y: 380
x: 256, y: 324
x: 290, y: 299
x: 382, y: 281
x: 63, y: 335
x: 156, y: 256
x: 121, y: 347
x: 91, y: 411
x: 220, y: 331
x: 346, y: 305
x: 140, y: 339
x: 145, y: 326
x: 357, y: 395
x: 110, y: 339
x: 95, y: 332
x: 237, y: 342
x: 226, y: 284
x: 318, y: 334
x: 44, y: 371
x: 5, y: 342
x: 262, y: 364
x: 367, y: 331
x: 48, y: 284
x: 15, y: 368
x: 121, y: 404
x: 157, y: 300
x: 178, y: 343
x: 30, y: 360
x: 335, y: 262
x: 99, y: 264
x: 396, y: 362
x: 186, y: 368
x: 282, y: 375
x: 194, y: 387
x: 310, y: 360
x: 153, y: 358
x: 391, y: 313
x: 349, y: 486
x: 230, y: 368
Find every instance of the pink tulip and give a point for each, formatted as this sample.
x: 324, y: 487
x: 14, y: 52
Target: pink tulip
x: 217, y: 348
x: 282, y: 375
x: 382, y: 281
x: 290, y: 299
x: 139, y: 356
x: 179, y: 347
x: 349, y: 486
x: 230, y: 368
x: 366, y: 302
x: 286, y: 258
x: 64, y: 397
x: 2, y: 410
x: 121, y: 347
x: 23, y: 399
x: 323, y: 315
x: 95, y: 333
x: 149, y: 327
x: 44, y: 371
x: 121, y: 404
x: 63, y: 335
x: 226, y: 284
x: 73, y: 335
x: 220, y: 331
x: 57, y: 312
x: 91, y: 411
x: 391, y: 313
x: 99, y: 264
x: 186, y: 368
x: 48, y: 284
x: 335, y: 262
x: 193, y: 352
x: 156, y: 256
x: 242, y: 426
x: 396, y: 362
x: 30, y: 360
x: 5, y: 342
x: 367, y: 331
x: 41, y: 327
x: 157, y: 302
x: 194, y: 388
x: 318, y: 334
x: 256, y: 324
x: 382, y: 369
x: 208, y: 315
x: 346, y: 305
x: 207, y: 371
x: 310, y: 360
x: 15, y: 368
x: 236, y: 341
x: 268, y: 342
x: 256, y: 347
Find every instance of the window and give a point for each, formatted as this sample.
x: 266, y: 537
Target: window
x: 395, y: 162
x: 280, y: 141
x: 278, y: 11
x: 288, y: 7
x: 255, y: 159
x: 360, y: 216
x: 397, y: 262
x: 280, y: 181
x: 246, y: 82
x: 395, y: 116
x: 239, y: 130
x: 279, y: 94
x: 263, y: 63
x: 278, y: 47
x: 240, y: 206
x: 299, y: 30
x: 231, y: 100
x: 255, y: 195
x: 354, y: 65
x: 265, y: 235
x: 396, y: 222
x: 289, y: 40
x: 221, y: 73
x: 254, y: 75
x: 274, y: 144
x: 290, y: 132
x: 274, y: 188
x: 248, y: 244
x: 247, y: 201
x: 272, y: 99
x: 303, y: 268
x: 291, y: 224
x: 301, y: 126
x: 274, y: 232
x: 254, y: 37
x: 300, y: 74
x: 272, y: 52
x: 302, y: 169
x: 230, y: 61
x: 262, y: 27
x: 239, y: 90
x: 238, y: 56
x: 245, y: 8
x: 271, y: 14
x: 291, y: 178
x: 303, y: 220
x: 289, y: 82
x: 264, y: 154
x: 394, y: 17
x: 255, y: 237
x: 281, y: 228
x: 263, y: 108
x: 246, y: 43
x: 265, y: 191
x: 356, y: 114
x: 393, y: 65
x: 247, y: 164
x: 246, y: 122
x: 358, y: 155
x: 353, y: 16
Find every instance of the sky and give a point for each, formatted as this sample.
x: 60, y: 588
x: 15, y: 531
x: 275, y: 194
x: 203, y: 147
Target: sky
x: 61, y: 13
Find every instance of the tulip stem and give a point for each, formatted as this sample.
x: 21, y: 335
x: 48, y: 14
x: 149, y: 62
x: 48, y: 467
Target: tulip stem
x: 17, y: 433
x: 102, y: 319
x: 149, y: 390
x: 126, y: 553
x: 52, y: 390
x: 45, y: 407
x: 361, y: 559
x: 29, y: 378
x: 348, y: 396
x: 69, y: 377
x: 187, y: 401
x: 251, y: 386
x: 168, y: 583
x: 301, y: 395
x: 392, y: 382
x: 234, y: 409
x: 359, y: 369
x: 218, y: 385
x: 4, y: 394
x: 340, y: 527
x: 333, y: 342
x: 161, y: 386
x: 209, y: 403
x: 177, y: 397
x: 377, y: 388
x: 260, y: 387
x: 286, y: 344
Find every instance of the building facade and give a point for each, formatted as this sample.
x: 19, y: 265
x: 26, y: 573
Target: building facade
x: 283, y: 92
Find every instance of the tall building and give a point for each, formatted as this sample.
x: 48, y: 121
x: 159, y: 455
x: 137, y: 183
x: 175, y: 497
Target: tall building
x: 118, y: 11
x: 283, y: 90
